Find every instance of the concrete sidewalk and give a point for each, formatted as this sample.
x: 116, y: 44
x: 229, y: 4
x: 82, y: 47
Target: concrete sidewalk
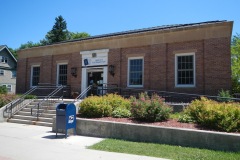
x: 29, y: 142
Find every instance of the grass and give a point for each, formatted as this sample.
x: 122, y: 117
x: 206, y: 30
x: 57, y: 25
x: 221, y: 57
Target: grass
x: 163, y: 151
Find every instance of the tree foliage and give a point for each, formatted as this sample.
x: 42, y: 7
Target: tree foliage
x: 235, y: 50
x: 78, y: 35
x: 29, y: 44
x: 59, y: 31
x: 14, y: 52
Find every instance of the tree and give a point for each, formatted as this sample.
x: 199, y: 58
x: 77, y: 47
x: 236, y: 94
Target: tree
x: 59, y: 31
x: 14, y: 52
x: 29, y: 44
x: 235, y: 50
x: 78, y: 35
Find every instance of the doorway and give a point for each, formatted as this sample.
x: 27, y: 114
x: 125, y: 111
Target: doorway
x: 94, y: 75
x: 95, y: 78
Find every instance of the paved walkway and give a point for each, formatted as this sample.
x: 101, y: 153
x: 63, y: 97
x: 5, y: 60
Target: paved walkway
x: 28, y: 142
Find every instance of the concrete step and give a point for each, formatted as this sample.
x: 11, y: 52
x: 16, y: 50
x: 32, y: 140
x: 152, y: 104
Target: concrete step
x: 33, y: 118
x: 39, y: 123
x: 46, y: 115
x: 21, y: 121
x: 50, y: 112
x: 29, y: 110
x: 42, y: 107
x: 51, y: 100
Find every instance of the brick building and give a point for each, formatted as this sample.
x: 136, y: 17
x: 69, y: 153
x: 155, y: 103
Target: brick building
x: 189, y: 58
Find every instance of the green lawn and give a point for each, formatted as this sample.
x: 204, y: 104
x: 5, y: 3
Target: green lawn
x: 163, y: 151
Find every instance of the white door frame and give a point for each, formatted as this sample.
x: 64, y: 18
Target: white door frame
x: 95, y: 59
x: 85, y: 76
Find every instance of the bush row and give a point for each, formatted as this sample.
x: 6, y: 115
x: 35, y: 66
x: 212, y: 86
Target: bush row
x: 145, y: 108
x: 105, y: 106
x: 211, y: 114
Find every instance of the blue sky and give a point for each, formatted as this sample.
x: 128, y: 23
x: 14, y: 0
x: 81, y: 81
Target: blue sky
x: 29, y: 20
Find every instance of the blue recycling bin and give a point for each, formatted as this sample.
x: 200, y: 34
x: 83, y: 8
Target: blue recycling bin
x: 65, y: 117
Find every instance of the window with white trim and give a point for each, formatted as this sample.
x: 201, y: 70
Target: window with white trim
x: 62, y: 74
x: 185, y: 70
x: 135, y: 72
x: 35, y: 75
x: 3, y: 59
x: 1, y: 72
x: 8, y: 86
x: 14, y: 74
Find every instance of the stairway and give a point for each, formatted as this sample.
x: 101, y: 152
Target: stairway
x: 45, y: 119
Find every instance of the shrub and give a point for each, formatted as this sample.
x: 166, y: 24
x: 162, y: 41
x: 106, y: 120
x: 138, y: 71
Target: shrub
x: 224, y: 96
x: 121, y: 112
x: 6, y: 98
x: 235, y: 85
x: 185, y: 118
x: 116, y: 101
x: 211, y: 114
x: 95, y: 106
x: 103, y: 106
x: 3, y: 90
x: 150, y: 109
x: 29, y: 96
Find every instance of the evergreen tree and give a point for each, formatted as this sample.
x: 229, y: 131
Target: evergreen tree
x: 59, y: 31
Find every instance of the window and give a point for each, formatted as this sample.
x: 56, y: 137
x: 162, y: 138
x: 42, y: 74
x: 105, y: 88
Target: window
x: 185, y: 70
x: 14, y: 74
x: 62, y: 74
x: 135, y: 72
x: 1, y: 72
x: 35, y: 75
x: 3, y: 59
x: 9, y: 87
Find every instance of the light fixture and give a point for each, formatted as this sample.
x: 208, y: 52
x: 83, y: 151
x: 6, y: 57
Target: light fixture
x: 74, y: 71
x: 112, y: 70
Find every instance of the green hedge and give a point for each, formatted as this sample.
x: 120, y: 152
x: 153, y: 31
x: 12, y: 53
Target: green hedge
x: 215, y: 115
x: 145, y: 108
x: 105, y: 106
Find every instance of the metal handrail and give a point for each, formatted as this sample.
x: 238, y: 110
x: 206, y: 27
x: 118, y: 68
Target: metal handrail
x: 16, y: 104
x: 169, y: 97
x: 84, y: 92
x: 45, y: 99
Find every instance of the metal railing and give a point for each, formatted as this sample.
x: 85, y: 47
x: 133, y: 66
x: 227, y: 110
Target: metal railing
x: 17, y: 104
x: 84, y: 93
x: 48, y: 100
x: 170, y: 97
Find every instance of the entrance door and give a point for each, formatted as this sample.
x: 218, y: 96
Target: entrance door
x: 97, y: 76
x: 96, y: 80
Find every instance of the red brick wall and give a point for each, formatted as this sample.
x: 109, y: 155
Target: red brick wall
x: 212, y: 57
x: 159, y: 65
x: 217, y: 65
x: 187, y: 47
x: 21, y: 76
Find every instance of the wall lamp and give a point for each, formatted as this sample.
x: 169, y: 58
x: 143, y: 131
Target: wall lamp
x: 112, y: 70
x: 74, y: 71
